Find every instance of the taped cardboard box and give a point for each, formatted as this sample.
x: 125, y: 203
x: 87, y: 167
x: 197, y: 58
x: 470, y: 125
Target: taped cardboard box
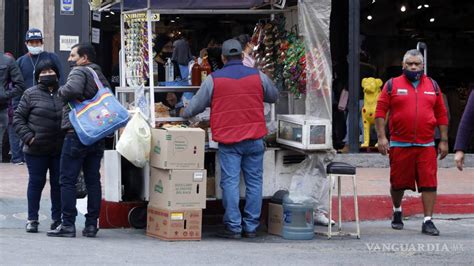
x: 275, y: 219
x: 174, y: 225
x: 178, y: 189
x: 177, y: 148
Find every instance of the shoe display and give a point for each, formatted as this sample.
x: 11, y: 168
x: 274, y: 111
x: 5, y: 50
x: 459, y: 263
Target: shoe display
x: 55, y: 224
x: 229, y: 234
x: 90, y: 231
x: 63, y: 231
x: 321, y: 219
x: 428, y: 228
x: 249, y: 234
x: 32, y: 226
x: 397, y: 222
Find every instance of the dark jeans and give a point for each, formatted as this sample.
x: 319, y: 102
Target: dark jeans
x: 38, y: 165
x: 15, y: 146
x: 74, y: 157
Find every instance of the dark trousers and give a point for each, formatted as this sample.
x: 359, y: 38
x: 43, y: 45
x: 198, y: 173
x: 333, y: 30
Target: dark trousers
x: 38, y: 165
x: 74, y: 157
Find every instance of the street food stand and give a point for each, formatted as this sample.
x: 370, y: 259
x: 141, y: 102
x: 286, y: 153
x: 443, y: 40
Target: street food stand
x: 305, y: 81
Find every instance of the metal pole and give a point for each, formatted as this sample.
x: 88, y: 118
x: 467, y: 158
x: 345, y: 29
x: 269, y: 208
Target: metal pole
x: 122, y: 65
x: 354, y: 78
x: 419, y: 47
x: 150, y: 66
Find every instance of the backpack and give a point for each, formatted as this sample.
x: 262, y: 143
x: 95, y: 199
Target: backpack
x: 433, y: 82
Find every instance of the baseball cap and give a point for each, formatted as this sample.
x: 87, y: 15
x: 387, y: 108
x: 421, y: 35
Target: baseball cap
x: 231, y: 47
x: 33, y: 34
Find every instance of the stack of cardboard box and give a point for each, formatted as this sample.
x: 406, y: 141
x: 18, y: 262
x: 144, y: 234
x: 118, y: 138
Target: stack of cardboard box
x: 177, y: 184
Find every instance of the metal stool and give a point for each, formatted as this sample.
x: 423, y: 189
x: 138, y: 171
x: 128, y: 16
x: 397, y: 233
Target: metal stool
x: 338, y: 169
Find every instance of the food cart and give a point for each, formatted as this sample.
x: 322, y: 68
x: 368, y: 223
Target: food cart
x: 307, y: 84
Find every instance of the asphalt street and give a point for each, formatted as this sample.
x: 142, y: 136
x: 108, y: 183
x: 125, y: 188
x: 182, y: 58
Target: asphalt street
x: 378, y: 245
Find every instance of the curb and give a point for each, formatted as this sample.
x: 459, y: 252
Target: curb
x: 380, y: 207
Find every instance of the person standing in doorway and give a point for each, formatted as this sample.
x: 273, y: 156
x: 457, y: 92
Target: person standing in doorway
x: 80, y: 86
x: 465, y: 132
x: 415, y: 106
x: 236, y: 94
x: 27, y: 63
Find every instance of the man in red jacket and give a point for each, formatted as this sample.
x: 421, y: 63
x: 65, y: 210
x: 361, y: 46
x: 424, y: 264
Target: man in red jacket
x: 415, y: 106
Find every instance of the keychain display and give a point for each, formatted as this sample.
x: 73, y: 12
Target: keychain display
x: 136, y: 49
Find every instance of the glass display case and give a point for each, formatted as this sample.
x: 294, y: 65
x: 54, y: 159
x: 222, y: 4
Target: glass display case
x: 304, y: 132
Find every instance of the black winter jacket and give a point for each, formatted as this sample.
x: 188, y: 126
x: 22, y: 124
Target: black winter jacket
x: 9, y: 72
x: 39, y: 115
x: 80, y: 86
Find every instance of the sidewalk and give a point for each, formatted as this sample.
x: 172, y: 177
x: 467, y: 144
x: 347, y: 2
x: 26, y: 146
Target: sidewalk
x: 455, y: 191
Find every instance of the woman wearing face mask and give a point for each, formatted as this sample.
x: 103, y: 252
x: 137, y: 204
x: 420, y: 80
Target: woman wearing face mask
x: 37, y: 120
x: 164, y: 50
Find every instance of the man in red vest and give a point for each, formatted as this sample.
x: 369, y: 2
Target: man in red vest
x: 415, y: 106
x: 236, y: 94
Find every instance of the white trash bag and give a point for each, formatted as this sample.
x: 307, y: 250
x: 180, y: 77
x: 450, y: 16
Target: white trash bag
x: 135, y: 141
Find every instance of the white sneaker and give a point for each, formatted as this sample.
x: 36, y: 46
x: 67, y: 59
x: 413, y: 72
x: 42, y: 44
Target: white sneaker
x: 321, y: 219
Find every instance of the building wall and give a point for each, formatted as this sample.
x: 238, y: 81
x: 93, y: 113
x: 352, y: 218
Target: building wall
x: 42, y: 16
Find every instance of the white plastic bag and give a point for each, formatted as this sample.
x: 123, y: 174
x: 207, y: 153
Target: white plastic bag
x: 135, y: 141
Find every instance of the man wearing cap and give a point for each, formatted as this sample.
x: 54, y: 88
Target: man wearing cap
x: 27, y: 64
x: 236, y: 94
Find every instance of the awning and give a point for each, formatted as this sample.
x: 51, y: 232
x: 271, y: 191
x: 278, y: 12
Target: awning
x: 176, y: 4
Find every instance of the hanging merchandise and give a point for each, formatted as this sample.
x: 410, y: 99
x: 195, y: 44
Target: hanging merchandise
x: 136, y: 49
x: 294, y: 65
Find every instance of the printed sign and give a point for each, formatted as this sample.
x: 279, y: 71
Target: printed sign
x: 96, y: 16
x: 67, y: 7
x: 67, y: 41
x: 95, y: 35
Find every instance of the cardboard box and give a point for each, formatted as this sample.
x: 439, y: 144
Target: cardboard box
x: 174, y: 224
x: 178, y: 189
x: 177, y: 148
x: 275, y: 219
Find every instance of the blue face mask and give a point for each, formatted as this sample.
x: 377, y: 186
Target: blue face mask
x: 413, y: 75
x: 34, y: 50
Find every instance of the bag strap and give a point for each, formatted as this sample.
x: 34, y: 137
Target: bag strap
x: 97, y: 81
x: 389, y: 87
x: 435, y: 86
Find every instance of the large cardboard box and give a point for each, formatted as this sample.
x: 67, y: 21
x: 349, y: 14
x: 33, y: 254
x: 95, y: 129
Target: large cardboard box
x: 275, y: 219
x: 178, y: 189
x: 177, y: 148
x: 174, y: 224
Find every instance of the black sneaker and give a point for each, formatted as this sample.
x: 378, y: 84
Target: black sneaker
x: 428, y: 228
x: 55, y: 224
x: 229, y: 234
x: 63, y: 231
x: 249, y: 234
x: 397, y: 222
x: 90, y: 231
x: 32, y: 226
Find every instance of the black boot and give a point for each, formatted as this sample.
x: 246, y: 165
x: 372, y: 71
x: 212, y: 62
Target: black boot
x: 63, y: 231
x: 90, y: 231
x: 32, y: 226
x: 55, y: 224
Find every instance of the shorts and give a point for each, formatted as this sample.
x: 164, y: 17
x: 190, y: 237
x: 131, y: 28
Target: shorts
x: 413, y: 167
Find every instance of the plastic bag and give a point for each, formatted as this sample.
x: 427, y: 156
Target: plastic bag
x: 135, y: 141
x: 141, y: 101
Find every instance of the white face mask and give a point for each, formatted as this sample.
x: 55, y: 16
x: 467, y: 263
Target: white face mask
x: 35, y: 50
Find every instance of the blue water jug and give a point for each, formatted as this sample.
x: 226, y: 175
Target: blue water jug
x: 298, y: 221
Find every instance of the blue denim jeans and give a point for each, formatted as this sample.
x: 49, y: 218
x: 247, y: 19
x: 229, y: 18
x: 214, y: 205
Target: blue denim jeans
x: 74, y: 157
x: 38, y: 165
x: 248, y: 156
x: 15, y: 146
